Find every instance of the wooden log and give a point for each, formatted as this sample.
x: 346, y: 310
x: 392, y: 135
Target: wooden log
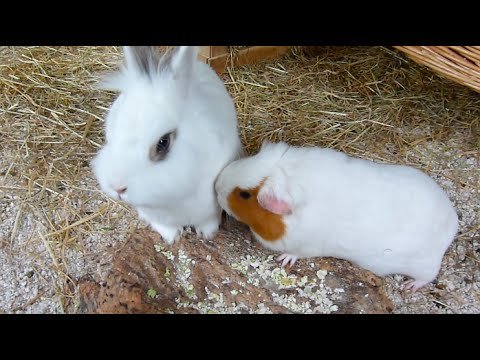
x: 219, y: 58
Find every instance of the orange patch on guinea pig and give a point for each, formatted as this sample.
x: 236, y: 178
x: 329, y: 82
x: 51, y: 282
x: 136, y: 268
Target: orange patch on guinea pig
x: 245, y: 206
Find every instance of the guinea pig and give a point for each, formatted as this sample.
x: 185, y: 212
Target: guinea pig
x: 311, y: 201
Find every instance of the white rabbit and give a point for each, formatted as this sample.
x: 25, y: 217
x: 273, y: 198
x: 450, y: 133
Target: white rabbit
x: 306, y: 202
x: 168, y: 135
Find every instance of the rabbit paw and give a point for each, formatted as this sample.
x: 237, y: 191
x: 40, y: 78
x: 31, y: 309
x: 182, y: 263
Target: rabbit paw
x: 208, y: 229
x: 169, y: 233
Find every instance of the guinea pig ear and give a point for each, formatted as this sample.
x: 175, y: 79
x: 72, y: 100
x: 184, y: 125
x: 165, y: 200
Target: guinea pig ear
x: 273, y: 198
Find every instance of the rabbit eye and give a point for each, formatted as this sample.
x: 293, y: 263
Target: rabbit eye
x: 163, y: 144
x: 160, y: 150
x: 245, y: 194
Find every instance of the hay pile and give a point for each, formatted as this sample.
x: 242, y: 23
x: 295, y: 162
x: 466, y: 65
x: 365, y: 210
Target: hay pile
x: 51, y: 125
x: 360, y: 100
x: 368, y: 102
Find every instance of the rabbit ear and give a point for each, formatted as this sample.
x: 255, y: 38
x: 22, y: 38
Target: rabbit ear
x: 182, y: 61
x: 144, y: 61
x: 179, y: 63
x: 139, y: 59
x: 273, y: 196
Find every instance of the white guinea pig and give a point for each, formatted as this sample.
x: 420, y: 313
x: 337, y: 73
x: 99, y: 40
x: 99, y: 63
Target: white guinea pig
x: 306, y: 201
x: 169, y: 133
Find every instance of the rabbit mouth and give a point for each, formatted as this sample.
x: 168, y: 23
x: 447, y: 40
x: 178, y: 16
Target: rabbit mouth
x: 122, y: 198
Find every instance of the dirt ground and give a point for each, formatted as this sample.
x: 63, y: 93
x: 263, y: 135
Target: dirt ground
x: 56, y: 226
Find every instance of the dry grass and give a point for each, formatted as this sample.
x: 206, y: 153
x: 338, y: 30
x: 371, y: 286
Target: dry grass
x: 361, y: 101
x: 50, y: 125
x: 369, y: 102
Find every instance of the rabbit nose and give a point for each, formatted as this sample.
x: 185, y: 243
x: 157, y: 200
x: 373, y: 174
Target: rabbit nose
x: 120, y: 190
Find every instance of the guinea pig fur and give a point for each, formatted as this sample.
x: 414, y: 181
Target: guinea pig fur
x: 310, y: 201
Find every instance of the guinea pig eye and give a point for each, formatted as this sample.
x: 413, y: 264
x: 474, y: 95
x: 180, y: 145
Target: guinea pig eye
x: 245, y: 194
x: 160, y: 150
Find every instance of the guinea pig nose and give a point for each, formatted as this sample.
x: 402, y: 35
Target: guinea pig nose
x: 120, y: 190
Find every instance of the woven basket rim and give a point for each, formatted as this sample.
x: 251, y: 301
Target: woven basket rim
x: 458, y: 63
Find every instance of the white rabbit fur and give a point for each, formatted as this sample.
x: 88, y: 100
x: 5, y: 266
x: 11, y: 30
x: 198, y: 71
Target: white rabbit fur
x: 159, y: 94
x: 389, y: 219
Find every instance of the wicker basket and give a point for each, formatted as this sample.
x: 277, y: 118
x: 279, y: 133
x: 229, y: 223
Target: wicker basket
x: 458, y: 63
